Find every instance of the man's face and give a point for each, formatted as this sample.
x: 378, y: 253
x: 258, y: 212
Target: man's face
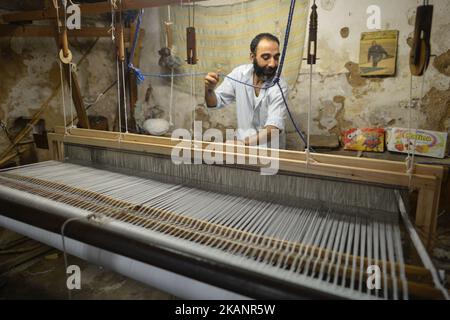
x: 266, y: 59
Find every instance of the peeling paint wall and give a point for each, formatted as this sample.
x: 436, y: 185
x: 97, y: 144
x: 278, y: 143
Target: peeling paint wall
x: 30, y: 73
x: 374, y: 101
x: 341, y: 97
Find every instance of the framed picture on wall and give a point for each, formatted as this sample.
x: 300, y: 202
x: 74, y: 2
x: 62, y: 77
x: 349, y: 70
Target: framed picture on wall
x: 378, y: 54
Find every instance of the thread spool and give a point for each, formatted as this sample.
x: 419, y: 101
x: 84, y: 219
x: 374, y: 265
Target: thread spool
x: 191, y: 46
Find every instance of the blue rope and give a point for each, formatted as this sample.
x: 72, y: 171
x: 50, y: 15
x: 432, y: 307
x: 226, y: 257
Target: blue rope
x: 139, y: 75
x: 286, y: 42
x: 157, y: 75
x: 292, y: 119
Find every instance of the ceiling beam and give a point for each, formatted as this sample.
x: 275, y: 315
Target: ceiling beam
x: 30, y: 31
x: 87, y: 9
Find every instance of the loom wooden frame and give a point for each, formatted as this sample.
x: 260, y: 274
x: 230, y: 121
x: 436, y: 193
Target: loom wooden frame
x: 427, y: 179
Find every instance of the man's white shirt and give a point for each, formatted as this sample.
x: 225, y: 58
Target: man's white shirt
x: 253, y: 113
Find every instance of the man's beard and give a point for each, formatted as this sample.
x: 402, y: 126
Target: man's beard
x: 263, y: 73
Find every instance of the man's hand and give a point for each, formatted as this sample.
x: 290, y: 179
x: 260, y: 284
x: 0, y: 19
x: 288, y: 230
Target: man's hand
x: 263, y: 136
x: 211, y: 81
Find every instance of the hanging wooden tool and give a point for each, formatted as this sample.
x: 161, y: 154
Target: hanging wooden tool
x: 191, y: 41
x: 120, y: 44
x: 169, y: 34
x: 421, y: 48
x: 312, y: 41
x: 168, y: 59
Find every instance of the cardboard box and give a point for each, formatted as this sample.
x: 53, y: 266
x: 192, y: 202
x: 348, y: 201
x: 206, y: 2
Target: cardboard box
x: 366, y: 139
x: 427, y: 143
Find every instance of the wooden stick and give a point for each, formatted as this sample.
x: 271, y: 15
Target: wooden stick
x: 65, y: 43
x: 160, y: 146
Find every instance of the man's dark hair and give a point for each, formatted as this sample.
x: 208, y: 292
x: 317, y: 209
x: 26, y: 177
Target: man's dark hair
x: 259, y: 37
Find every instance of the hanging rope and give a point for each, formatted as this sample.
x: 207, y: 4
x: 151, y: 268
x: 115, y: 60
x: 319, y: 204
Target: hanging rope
x: 171, y: 100
x: 66, y: 59
x: 113, y: 20
x: 312, y: 58
x: 71, y: 66
x: 118, y: 96
x: 125, y: 107
x: 193, y: 63
x: 168, y: 45
x: 410, y: 160
x: 63, y: 93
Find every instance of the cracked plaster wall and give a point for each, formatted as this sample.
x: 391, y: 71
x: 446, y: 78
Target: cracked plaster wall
x: 343, y: 99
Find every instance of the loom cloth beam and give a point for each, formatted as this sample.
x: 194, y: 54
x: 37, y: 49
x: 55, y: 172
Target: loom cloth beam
x: 161, y: 279
x: 234, y: 279
x: 41, y: 194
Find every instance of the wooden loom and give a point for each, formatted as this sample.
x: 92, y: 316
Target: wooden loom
x: 426, y: 180
x: 20, y: 198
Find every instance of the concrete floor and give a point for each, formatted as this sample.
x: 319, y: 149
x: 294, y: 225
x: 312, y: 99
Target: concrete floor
x: 40, y: 274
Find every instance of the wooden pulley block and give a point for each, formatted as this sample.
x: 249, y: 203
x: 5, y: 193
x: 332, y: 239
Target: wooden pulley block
x: 65, y: 55
x: 421, y: 49
x: 65, y: 59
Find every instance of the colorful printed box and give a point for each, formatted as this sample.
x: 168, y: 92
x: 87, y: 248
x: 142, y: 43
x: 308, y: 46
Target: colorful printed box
x: 366, y: 139
x: 427, y: 143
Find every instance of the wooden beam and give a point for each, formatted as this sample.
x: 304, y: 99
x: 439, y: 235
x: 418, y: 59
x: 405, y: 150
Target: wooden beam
x: 87, y: 9
x: 164, y: 146
x: 384, y: 165
x: 77, y: 98
x: 31, y: 31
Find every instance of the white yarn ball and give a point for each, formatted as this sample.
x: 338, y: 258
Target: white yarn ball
x: 156, y: 127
